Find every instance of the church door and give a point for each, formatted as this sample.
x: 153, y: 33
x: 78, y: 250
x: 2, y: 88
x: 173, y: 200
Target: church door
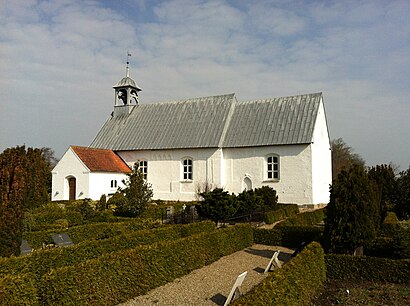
x: 247, y: 183
x: 71, y: 188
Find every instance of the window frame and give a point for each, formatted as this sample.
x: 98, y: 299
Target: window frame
x: 272, y: 167
x: 114, y: 183
x: 187, y: 167
x: 143, y: 167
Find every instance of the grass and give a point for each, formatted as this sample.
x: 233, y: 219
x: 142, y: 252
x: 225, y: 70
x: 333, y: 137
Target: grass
x: 342, y: 292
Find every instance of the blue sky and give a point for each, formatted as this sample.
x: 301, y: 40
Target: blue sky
x: 60, y: 59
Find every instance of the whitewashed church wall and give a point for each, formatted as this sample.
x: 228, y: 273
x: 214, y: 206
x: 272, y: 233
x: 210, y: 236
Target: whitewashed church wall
x: 100, y: 183
x: 295, y: 181
x: 69, y: 166
x: 165, y: 170
x: 321, y: 160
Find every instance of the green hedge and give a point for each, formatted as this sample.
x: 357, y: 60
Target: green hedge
x: 117, y: 277
x: 41, y: 262
x: 18, y: 290
x: 368, y: 268
x: 289, y: 236
x: 294, y: 284
x: 90, y: 231
x: 304, y: 219
x: 282, y: 211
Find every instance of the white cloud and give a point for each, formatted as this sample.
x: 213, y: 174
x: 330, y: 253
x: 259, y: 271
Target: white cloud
x: 59, y: 60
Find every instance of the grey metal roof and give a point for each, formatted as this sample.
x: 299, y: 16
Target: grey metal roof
x: 217, y: 121
x: 286, y: 120
x: 126, y: 81
x: 191, y: 123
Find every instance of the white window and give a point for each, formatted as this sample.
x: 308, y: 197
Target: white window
x: 113, y: 183
x: 143, y: 167
x: 187, y: 169
x: 272, y: 167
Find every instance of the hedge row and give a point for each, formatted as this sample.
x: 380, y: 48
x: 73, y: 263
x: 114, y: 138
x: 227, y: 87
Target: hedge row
x: 368, y: 268
x: 282, y: 211
x: 294, y: 284
x: 304, y: 219
x: 117, y: 277
x: 18, y: 290
x: 38, y: 263
x: 289, y: 236
x: 45, y: 221
x: 90, y: 231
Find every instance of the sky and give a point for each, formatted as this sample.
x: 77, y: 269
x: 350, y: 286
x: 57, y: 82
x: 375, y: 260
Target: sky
x: 59, y: 60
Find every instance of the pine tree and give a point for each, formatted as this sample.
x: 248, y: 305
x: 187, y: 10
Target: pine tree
x: 352, y: 215
x: 137, y: 194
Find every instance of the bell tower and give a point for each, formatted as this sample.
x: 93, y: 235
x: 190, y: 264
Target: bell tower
x: 126, y: 93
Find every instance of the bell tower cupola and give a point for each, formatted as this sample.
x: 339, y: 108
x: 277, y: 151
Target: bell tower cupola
x: 126, y: 90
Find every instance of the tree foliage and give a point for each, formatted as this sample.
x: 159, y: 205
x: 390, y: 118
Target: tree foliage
x: 136, y: 195
x: 384, y: 177
x: 343, y: 157
x: 402, y: 207
x: 217, y: 205
x: 24, y: 178
x: 352, y: 215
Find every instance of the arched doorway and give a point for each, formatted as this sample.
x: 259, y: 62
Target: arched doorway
x: 247, y: 183
x: 71, y: 188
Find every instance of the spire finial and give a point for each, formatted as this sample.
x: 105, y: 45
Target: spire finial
x: 127, y: 72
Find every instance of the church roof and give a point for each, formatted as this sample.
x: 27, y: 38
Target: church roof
x: 217, y: 121
x: 101, y: 160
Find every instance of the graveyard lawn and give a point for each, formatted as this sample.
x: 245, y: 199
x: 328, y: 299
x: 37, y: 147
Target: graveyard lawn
x: 348, y: 292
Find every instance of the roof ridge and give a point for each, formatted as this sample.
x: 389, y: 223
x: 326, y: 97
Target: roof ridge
x: 279, y: 98
x: 188, y: 100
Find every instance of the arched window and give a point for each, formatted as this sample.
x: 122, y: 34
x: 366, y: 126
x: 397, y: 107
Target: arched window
x: 187, y: 169
x: 143, y: 167
x: 272, y: 167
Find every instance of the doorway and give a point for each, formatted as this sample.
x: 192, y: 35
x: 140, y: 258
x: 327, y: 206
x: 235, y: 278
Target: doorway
x: 247, y: 184
x: 71, y: 188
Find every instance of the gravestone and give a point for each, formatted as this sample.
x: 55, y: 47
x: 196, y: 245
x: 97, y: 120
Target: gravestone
x: 273, y: 261
x: 299, y: 249
x: 25, y: 247
x: 61, y: 240
x: 235, y: 291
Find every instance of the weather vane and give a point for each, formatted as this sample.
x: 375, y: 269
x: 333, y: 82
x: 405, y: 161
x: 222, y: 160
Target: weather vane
x: 128, y: 62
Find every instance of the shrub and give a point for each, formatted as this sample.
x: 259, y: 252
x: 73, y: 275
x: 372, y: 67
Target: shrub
x: 18, y: 290
x: 102, y: 203
x: 269, y: 197
x: 38, y: 263
x: 248, y: 202
x: 89, y: 231
x: 304, y: 219
x: 116, y: 277
x: 294, y: 284
x: 218, y: 205
x: 288, y: 236
x: 281, y: 212
x: 368, y: 268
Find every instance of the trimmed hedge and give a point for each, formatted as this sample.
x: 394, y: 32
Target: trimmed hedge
x: 368, y: 268
x: 18, y: 290
x: 41, y: 262
x: 282, y: 211
x: 294, y: 284
x: 304, y: 219
x: 288, y: 236
x: 90, y: 231
x: 117, y: 277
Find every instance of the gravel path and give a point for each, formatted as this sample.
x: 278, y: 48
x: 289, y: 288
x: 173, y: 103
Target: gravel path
x: 211, y: 285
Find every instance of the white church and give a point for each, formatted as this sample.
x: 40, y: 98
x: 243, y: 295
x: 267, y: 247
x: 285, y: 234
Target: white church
x: 220, y: 141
